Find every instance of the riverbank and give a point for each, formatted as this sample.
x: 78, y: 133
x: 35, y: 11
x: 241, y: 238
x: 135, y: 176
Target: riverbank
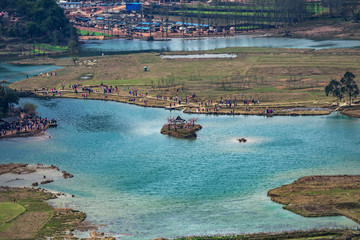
x: 323, y: 234
x: 258, y: 81
x: 353, y: 111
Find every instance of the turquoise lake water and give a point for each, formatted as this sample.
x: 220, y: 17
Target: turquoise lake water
x: 178, y: 44
x: 12, y: 72
x: 144, y: 185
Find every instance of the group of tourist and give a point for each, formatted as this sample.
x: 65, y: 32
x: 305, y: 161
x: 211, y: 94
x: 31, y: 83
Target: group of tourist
x: 206, y: 105
x: 30, y: 124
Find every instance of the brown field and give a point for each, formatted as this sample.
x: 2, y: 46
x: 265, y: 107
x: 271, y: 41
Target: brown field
x: 38, y: 220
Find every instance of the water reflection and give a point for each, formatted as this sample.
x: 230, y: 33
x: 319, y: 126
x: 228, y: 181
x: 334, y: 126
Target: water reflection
x: 178, y: 44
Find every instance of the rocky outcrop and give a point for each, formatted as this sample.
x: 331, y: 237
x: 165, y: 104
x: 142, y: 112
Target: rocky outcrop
x: 47, y: 181
x: 181, y: 132
x: 67, y: 175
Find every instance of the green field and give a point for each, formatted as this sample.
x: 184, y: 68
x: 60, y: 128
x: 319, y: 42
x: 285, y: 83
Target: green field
x: 90, y: 33
x: 9, y: 211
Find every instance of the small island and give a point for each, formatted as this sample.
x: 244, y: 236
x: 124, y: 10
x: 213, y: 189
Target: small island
x: 319, y: 196
x: 180, y: 128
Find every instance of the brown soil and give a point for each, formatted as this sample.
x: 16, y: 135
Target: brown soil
x: 352, y: 111
x: 26, y: 225
x: 324, y: 29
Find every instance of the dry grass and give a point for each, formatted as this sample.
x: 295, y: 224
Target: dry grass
x: 276, y: 77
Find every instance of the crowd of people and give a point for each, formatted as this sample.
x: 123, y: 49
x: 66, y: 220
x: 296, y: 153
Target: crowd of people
x: 207, y: 105
x: 30, y: 124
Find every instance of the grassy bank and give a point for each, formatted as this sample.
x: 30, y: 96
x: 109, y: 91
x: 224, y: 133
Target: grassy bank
x: 318, y: 196
x: 278, y: 78
x: 30, y: 217
x: 296, y: 235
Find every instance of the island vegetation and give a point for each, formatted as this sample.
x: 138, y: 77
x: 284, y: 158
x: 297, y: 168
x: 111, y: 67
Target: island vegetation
x: 180, y: 128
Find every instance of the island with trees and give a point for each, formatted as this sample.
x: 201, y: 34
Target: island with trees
x: 180, y: 128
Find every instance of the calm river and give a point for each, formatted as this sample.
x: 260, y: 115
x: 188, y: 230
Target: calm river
x: 178, y: 44
x: 143, y: 185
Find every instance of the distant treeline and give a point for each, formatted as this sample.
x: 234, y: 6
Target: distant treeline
x: 35, y: 21
x: 257, y: 12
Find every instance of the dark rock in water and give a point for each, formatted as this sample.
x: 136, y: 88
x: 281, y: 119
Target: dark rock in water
x: 67, y: 175
x: 54, y: 167
x: 242, y: 140
x: 47, y: 181
x: 35, y: 184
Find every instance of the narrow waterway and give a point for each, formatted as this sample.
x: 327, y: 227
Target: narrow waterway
x: 116, y: 46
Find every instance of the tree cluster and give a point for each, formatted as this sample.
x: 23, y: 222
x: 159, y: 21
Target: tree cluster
x: 346, y: 86
x: 36, y: 20
x: 347, y: 9
x: 7, y: 98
